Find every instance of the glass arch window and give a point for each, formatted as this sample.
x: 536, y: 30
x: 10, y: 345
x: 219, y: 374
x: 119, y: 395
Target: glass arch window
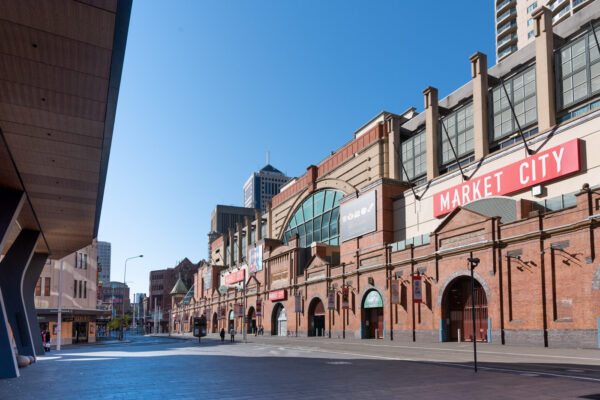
x: 317, y: 219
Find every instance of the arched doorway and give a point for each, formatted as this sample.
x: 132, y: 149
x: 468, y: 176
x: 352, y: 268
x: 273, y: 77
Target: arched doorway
x: 231, y: 321
x: 251, y: 320
x: 372, y: 316
x: 316, y: 318
x: 279, y: 321
x: 457, y: 311
x: 215, y: 323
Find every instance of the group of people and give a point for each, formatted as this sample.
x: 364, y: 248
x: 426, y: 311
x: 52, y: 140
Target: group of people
x: 232, y: 332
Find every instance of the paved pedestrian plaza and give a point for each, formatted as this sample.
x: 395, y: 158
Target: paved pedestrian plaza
x: 160, y: 367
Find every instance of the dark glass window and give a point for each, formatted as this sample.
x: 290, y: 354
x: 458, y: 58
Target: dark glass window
x: 579, y: 66
x: 38, y: 287
x: 316, y: 219
x: 414, y: 156
x: 47, y: 287
x: 522, y: 94
x: 459, y: 125
x: 75, y: 288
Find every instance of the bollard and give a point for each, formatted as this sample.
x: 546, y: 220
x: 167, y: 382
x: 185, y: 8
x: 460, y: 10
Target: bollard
x: 459, y: 336
x: 376, y: 335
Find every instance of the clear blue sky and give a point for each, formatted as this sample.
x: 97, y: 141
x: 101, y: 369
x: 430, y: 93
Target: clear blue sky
x: 209, y: 87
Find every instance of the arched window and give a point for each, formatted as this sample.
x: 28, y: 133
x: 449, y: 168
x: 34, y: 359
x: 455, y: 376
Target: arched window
x: 317, y: 219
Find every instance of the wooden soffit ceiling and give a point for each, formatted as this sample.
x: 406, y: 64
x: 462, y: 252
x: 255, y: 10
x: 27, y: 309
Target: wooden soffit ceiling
x: 60, y: 71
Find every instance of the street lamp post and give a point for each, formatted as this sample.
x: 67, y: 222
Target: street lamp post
x: 473, y: 263
x: 123, y: 300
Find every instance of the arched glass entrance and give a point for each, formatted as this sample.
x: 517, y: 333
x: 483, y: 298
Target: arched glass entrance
x: 251, y: 320
x: 316, y: 318
x: 279, y: 321
x: 457, y: 309
x: 372, y: 316
x: 231, y: 321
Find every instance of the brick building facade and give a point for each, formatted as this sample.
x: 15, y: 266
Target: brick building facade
x: 373, y: 241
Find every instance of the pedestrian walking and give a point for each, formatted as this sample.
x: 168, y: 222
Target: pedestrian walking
x: 222, y: 335
x: 47, y: 341
x: 232, y: 333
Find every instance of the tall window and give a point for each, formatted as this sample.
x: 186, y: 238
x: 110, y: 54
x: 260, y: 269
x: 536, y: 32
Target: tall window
x: 47, y: 287
x: 38, y: 287
x: 459, y: 125
x: 414, y: 156
x: 579, y: 67
x: 522, y: 93
x: 85, y: 290
x: 79, y: 289
x: 84, y: 261
x: 75, y: 288
x: 317, y: 219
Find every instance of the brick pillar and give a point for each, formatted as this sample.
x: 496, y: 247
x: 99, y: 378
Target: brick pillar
x: 231, y: 260
x: 248, y: 221
x: 238, y: 228
x: 393, y: 138
x: 480, y: 104
x: 544, y: 68
x: 311, y: 172
x: 431, y: 134
x: 269, y: 219
x: 258, y: 218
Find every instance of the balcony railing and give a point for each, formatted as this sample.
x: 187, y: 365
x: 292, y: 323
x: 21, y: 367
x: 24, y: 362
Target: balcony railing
x: 505, y: 15
x: 501, y: 5
x: 561, y: 14
x: 507, y: 39
x: 507, y: 27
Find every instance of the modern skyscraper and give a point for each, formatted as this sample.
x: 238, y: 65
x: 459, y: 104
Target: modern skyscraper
x: 514, y: 21
x: 104, y: 261
x: 262, y: 186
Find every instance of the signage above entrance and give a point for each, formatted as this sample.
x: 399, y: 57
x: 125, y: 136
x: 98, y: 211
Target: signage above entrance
x: 278, y: 295
x: 234, y: 277
x: 553, y: 163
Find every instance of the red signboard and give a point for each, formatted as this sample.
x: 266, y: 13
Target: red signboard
x: 553, y: 163
x: 234, y: 277
x: 417, y: 289
x: 278, y: 295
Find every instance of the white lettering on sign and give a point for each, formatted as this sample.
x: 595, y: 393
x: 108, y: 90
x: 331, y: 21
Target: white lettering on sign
x: 553, y: 163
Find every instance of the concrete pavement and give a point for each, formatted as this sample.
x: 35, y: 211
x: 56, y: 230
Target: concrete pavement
x: 290, y: 368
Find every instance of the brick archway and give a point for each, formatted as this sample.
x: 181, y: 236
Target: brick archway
x: 467, y: 273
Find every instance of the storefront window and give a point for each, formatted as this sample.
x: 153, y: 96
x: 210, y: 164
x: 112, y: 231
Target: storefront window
x: 316, y: 219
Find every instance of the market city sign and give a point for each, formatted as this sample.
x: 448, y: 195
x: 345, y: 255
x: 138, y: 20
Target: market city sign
x: 553, y: 163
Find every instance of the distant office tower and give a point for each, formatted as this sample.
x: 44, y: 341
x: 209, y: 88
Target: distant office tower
x: 224, y: 217
x: 514, y: 23
x: 262, y: 186
x: 104, y: 261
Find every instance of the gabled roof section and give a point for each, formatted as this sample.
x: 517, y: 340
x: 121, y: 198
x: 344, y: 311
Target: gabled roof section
x: 179, y: 287
x: 459, y: 218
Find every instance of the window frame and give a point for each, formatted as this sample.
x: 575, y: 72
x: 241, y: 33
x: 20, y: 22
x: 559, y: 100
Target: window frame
x: 454, y: 136
x: 413, y: 166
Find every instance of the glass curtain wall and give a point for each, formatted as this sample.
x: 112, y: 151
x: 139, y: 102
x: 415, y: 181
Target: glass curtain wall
x: 579, y: 66
x: 317, y: 219
x: 522, y: 93
x: 459, y: 125
x: 414, y: 156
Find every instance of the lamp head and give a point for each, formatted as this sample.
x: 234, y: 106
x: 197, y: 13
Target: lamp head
x: 473, y: 261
